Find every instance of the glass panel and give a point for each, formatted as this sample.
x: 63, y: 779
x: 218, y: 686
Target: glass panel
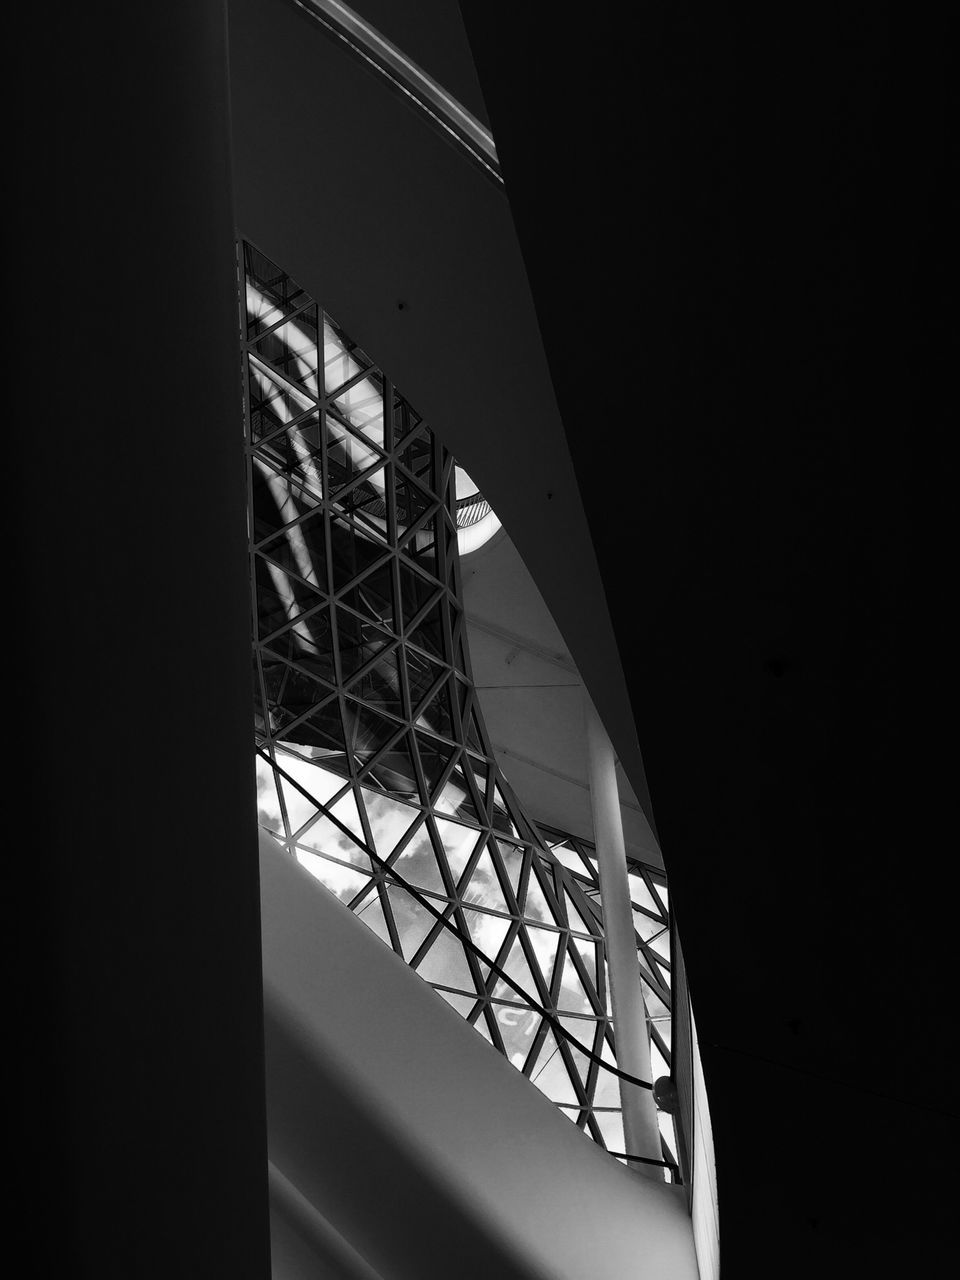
x: 318, y: 782
x: 395, y: 772
x: 422, y: 546
x: 590, y: 954
x: 353, y: 552
x: 274, y: 503
x: 483, y: 888
x: 641, y: 895
x: 610, y: 1124
x: 458, y: 844
x: 664, y: 1030
x: 518, y: 969
x: 373, y: 917
x: 322, y: 733
x: 454, y: 798
x: 446, y: 963
x: 367, y: 505
x: 347, y: 812
x: 280, y: 598
x: 487, y: 933
x: 546, y: 945
x: 300, y: 809
x: 405, y: 419
x: 417, y: 457
x: 512, y: 858
x: 517, y: 1026
x: 308, y: 643
x: 574, y: 1114
x: 274, y: 402
x: 292, y: 349
x: 361, y: 404
x: 265, y: 279
x: 412, y: 503
x: 645, y: 926
x: 418, y: 864
x: 655, y: 1006
x: 501, y: 817
x: 606, y: 1092
x: 378, y: 687
x: 373, y: 596
x: 389, y: 820
x: 345, y: 882
x: 535, y: 906
x: 301, y: 550
x: 370, y: 730
x: 412, y: 919
x: 359, y: 642
x: 481, y: 1026
x: 573, y: 997
x: 349, y: 456
x: 422, y: 672
x: 415, y: 592
x: 583, y: 1033
x: 574, y: 917
x: 464, y: 1005
x: 668, y: 1132
x: 324, y: 836
x: 481, y: 769
x: 268, y: 801
x: 434, y: 758
x: 551, y: 1076
x: 569, y: 858
x: 474, y: 739
x: 658, y: 1064
x: 342, y: 358
x: 429, y: 633
x: 435, y: 714
x: 661, y: 944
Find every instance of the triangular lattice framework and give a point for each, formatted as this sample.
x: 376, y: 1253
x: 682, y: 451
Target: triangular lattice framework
x: 371, y: 747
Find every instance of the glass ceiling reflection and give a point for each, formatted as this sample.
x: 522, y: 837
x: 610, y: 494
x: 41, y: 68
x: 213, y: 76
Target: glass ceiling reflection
x: 373, y: 762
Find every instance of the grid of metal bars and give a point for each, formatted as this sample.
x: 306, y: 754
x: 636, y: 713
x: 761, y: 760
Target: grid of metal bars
x: 369, y: 735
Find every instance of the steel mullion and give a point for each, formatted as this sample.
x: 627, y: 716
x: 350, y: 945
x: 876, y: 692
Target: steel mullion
x: 305, y: 715
x: 278, y: 324
x: 293, y: 622
x: 297, y: 388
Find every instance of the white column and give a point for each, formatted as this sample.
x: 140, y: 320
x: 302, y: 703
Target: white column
x: 640, y: 1128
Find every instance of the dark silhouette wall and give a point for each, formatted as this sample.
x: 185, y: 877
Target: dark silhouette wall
x: 134, y: 978
x: 734, y: 231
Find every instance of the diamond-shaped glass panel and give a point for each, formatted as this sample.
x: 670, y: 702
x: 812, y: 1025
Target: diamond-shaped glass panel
x: 418, y: 865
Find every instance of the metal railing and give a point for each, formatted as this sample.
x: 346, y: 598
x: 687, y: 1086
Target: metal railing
x: 440, y: 108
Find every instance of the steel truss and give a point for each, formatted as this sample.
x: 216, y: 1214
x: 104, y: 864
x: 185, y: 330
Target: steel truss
x: 374, y: 766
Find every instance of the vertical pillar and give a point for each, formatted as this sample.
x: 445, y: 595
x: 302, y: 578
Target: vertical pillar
x: 640, y: 1129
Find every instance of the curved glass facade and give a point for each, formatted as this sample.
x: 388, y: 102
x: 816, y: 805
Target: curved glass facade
x: 373, y: 761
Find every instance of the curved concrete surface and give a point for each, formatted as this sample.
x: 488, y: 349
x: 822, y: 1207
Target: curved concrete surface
x: 413, y: 1139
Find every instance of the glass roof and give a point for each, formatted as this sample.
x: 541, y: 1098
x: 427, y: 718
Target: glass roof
x: 374, y: 768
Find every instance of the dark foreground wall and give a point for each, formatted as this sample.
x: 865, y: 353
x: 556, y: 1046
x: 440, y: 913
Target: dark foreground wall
x: 134, y: 997
x: 735, y: 233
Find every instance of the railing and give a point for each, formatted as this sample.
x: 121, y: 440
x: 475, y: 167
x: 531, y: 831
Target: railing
x: 438, y: 106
